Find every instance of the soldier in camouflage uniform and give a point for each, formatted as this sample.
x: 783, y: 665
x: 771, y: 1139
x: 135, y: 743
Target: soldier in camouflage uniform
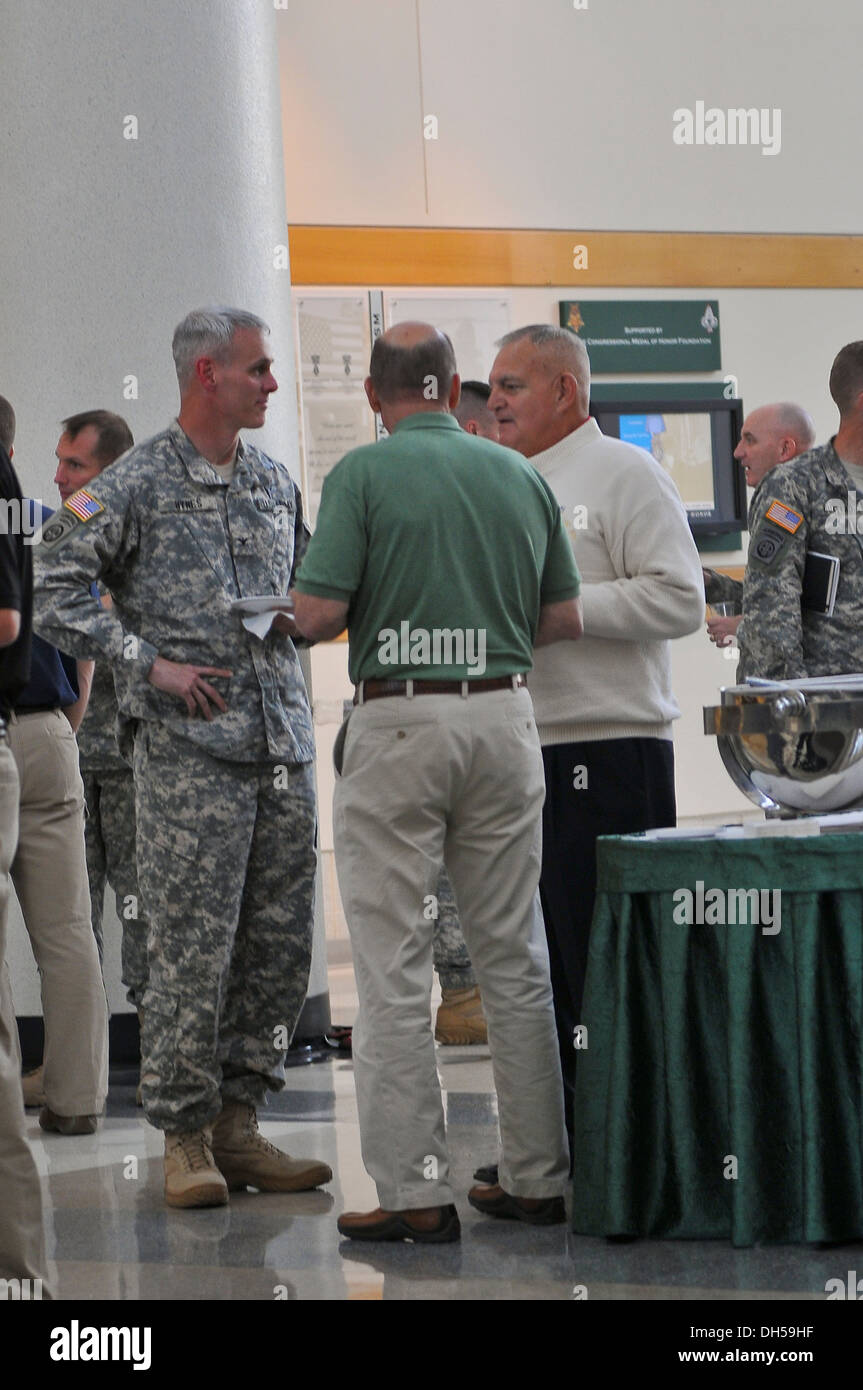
x: 96, y: 438
x: 771, y: 435
x: 809, y: 504
x: 219, y: 724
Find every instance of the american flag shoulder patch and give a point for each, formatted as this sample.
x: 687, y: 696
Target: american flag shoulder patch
x: 783, y: 516
x: 83, y: 504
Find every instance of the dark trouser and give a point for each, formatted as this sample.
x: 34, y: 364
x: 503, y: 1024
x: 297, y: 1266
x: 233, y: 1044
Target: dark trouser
x: 610, y: 787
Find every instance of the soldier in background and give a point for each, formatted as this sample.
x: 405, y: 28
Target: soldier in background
x: 89, y: 442
x: 809, y: 504
x: 220, y: 727
x: 771, y: 435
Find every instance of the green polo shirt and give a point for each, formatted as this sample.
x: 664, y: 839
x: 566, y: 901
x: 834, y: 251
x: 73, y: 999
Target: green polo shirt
x: 445, y: 546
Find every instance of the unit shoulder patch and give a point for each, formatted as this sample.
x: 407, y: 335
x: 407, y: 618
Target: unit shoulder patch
x: 57, y: 528
x: 766, y: 545
x: 784, y: 516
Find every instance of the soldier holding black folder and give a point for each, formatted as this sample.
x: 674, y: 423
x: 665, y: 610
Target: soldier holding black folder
x: 771, y: 435
x: 805, y: 518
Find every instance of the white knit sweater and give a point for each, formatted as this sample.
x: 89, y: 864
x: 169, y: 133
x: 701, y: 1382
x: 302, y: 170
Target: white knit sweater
x: 641, y: 585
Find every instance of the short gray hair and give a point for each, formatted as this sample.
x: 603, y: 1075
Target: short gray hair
x: 793, y: 420
x: 565, y: 345
x: 208, y: 333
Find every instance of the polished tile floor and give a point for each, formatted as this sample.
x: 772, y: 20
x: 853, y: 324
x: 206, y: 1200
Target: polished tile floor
x: 111, y: 1237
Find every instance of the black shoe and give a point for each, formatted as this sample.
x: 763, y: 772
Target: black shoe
x: 534, y: 1211
x: 68, y: 1124
x: 488, y: 1175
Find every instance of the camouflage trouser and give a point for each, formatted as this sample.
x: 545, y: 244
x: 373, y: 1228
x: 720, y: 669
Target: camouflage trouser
x: 226, y: 869
x: 109, y: 837
x: 451, y: 960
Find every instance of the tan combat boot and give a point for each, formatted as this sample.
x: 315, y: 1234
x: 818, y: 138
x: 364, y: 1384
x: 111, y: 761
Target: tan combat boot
x: 460, y: 1019
x: 33, y: 1087
x: 247, y: 1159
x: 191, y: 1177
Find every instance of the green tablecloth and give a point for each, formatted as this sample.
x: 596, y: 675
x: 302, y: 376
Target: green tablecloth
x: 710, y: 1042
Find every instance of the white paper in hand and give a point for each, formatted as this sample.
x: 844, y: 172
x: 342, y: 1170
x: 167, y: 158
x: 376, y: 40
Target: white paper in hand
x: 258, y: 613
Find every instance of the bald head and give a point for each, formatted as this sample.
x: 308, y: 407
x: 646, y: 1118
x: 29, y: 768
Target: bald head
x: 412, y: 362
x: 771, y: 435
x: 540, y: 387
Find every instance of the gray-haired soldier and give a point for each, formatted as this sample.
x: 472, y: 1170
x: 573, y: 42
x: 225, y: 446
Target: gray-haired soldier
x: 771, y: 435
x: 220, y: 724
x: 809, y: 504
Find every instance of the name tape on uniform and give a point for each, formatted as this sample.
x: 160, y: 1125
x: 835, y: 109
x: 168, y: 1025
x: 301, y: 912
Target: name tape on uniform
x: 187, y: 505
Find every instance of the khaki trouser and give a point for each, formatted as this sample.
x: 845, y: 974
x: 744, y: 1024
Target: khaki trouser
x: 423, y: 779
x: 22, y: 1244
x: 49, y: 872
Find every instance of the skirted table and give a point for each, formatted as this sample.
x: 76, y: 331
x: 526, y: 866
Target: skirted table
x: 720, y: 1091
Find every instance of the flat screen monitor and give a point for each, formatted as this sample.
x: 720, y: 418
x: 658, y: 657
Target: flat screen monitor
x: 694, y: 440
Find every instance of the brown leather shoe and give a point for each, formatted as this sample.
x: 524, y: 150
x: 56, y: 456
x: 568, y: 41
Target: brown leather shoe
x: 535, y: 1211
x: 423, y: 1225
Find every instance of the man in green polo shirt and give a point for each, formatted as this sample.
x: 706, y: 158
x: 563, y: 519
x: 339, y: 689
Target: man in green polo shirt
x: 446, y: 556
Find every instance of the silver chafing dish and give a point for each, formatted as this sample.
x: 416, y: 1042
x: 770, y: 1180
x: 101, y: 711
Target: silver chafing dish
x: 793, y: 747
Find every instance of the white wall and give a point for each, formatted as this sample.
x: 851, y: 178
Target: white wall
x: 552, y: 116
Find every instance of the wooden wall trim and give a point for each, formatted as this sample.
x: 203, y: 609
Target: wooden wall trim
x: 376, y: 256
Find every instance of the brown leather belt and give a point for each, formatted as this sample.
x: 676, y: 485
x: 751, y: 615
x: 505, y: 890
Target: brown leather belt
x: 378, y: 689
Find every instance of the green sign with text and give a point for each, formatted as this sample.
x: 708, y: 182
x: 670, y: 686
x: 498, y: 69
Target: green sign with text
x: 646, y: 335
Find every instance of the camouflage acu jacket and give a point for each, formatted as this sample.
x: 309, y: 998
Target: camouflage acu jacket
x: 97, y: 736
x: 174, y: 545
x: 804, y: 505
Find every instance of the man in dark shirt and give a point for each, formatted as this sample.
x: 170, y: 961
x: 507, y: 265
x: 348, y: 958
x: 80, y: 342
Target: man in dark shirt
x: 49, y: 873
x: 22, y: 1245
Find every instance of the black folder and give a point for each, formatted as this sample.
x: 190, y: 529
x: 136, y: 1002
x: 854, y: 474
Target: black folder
x: 820, y: 582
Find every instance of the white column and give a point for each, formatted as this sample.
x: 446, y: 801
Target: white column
x: 141, y: 175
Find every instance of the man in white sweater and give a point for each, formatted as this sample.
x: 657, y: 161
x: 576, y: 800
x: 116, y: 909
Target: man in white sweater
x: 604, y: 710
